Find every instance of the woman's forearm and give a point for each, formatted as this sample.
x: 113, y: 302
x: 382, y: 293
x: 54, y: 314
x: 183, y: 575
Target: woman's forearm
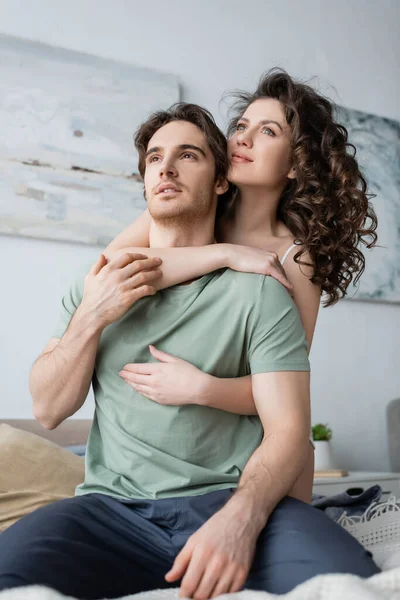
x: 231, y: 394
x: 182, y: 264
x: 136, y: 234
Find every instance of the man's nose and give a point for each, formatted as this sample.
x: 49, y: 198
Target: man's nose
x: 168, y: 169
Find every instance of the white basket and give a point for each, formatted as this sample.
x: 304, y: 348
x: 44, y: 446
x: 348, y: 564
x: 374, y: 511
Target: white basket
x: 378, y: 530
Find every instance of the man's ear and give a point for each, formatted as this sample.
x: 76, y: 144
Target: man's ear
x: 221, y: 186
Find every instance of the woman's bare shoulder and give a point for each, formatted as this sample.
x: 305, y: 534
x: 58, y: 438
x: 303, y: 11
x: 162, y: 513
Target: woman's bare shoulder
x: 303, y: 265
x: 306, y: 294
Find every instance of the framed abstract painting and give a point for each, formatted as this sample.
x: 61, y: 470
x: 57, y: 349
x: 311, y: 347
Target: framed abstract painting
x: 68, y: 167
x: 377, y: 140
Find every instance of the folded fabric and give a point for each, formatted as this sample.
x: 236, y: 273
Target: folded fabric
x: 334, y: 506
x: 79, y: 449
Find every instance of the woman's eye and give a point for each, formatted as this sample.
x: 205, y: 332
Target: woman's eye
x: 239, y: 127
x: 189, y: 154
x: 270, y: 131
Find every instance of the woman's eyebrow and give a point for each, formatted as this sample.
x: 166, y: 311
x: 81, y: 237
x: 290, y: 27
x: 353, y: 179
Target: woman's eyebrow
x: 264, y: 122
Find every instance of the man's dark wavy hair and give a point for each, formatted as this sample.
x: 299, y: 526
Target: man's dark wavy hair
x: 184, y: 111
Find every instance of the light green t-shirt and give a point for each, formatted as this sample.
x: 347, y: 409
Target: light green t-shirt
x: 227, y: 324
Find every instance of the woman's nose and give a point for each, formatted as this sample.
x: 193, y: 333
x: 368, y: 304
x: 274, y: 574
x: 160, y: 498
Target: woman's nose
x: 244, y: 139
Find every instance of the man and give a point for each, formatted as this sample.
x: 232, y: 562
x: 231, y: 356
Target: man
x: 188, y: 492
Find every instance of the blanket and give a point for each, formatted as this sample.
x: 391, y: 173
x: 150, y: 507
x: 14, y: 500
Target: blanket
x: 335, y: 506
x: 384, y: 586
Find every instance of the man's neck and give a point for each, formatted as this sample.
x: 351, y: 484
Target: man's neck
x: 171, y: 235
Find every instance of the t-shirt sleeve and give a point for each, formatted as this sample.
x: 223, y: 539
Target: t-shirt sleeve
x: 277, y: 340
x: 70, y: 302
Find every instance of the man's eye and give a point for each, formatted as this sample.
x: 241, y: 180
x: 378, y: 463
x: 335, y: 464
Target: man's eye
x: 189, y: 154
x: 152, y: 158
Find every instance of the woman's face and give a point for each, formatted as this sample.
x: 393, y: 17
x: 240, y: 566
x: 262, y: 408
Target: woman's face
x: 260, y: 148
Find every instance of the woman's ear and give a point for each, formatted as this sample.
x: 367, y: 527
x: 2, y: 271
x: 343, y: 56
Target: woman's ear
x: 292, y: 173
x: 221, y: 186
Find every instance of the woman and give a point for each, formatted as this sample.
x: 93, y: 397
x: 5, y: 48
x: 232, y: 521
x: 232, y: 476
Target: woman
x: 298, y: 198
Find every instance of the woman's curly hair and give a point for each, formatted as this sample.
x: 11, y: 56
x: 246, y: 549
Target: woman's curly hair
x: 327, y: 206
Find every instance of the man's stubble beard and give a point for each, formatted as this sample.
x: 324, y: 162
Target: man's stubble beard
x: 182, y: 215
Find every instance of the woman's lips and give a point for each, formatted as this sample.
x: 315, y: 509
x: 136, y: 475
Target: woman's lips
x: 240, y: 159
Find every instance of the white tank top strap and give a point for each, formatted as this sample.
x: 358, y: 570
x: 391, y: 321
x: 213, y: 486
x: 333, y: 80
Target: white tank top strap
x: 284, y: 257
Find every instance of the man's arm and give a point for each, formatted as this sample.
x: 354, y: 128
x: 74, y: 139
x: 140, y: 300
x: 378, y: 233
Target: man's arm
x: 283, y: 403
x: 279, y: 367
x: 60, y: 378
x: 217, y: 557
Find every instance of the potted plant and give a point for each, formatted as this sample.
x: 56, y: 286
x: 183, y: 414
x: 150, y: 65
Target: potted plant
x: 322, y: 435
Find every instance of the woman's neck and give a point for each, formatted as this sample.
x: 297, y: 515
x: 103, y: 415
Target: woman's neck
x: 256, y: 211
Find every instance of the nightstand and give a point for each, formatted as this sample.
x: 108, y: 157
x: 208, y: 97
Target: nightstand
x: 357, y: 482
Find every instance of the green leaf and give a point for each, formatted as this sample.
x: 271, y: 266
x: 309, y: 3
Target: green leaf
x: 321, y: 432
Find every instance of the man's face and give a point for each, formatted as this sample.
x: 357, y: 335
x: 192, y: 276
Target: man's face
x: 179, y: 176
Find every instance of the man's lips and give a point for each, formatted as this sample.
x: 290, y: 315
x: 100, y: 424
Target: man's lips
x: 167, y: 188
x: 240, y: 158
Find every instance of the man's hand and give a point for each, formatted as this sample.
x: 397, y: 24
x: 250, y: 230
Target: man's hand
x: 172, y: 381
x: 217, y: 558
x: 111, y: 288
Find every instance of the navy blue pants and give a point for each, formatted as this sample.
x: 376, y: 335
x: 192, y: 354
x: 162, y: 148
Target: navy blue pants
x: 94, y: 546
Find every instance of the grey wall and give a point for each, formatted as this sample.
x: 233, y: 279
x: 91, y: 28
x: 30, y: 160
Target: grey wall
x: 353, y: 48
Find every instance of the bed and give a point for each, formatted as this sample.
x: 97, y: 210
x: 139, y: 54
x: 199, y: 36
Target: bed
x: 44, y: 475
x: 72, y: 432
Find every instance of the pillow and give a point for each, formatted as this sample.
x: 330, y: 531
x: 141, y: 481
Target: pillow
x: 378, y: 530
x: 33, y: 472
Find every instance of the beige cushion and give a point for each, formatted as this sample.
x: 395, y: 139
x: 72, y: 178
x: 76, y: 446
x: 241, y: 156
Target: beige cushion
x: 33, y: 472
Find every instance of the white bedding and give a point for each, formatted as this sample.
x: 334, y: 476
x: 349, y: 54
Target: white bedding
x: 385, y: 586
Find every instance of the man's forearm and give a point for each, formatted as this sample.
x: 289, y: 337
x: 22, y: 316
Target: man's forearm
x: 269, y: 475
x: 60, y: 379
